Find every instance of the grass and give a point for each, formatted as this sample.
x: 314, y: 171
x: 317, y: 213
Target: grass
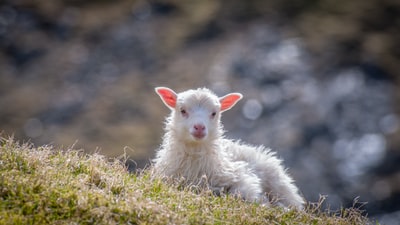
x: 44, y: 185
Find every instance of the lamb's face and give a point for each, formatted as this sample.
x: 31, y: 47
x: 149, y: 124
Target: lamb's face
x: 196, y: 113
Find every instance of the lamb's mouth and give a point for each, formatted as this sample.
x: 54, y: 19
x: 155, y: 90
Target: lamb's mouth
x: 198, y: 135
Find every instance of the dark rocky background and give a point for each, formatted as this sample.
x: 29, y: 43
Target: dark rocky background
x: 320, y: 80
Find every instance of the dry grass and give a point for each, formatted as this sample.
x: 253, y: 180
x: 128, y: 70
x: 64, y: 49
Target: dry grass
x: 44, y: 185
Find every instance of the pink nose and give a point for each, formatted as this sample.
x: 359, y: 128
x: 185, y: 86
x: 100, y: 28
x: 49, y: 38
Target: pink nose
x: 199, y: 127
x: 199, y: 131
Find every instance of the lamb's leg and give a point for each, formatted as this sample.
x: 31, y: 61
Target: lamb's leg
x: 248, y: 185
x: 275, y: 182
x: 281, y: 188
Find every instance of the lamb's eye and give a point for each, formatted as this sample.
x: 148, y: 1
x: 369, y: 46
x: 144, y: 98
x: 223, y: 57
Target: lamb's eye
x: 183, y: 112
x: 213, y: 114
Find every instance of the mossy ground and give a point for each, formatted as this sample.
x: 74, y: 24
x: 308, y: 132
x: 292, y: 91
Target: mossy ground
x: 44, y: 185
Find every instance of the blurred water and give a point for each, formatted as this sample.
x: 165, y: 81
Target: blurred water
x: 252, y: 109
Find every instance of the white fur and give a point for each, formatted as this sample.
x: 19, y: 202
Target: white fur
x: 254, y: 173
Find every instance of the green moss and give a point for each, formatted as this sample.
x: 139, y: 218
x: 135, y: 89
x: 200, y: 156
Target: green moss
x: 48, y: 186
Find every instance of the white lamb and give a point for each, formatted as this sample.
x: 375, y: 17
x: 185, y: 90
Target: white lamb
x: 194, y: 149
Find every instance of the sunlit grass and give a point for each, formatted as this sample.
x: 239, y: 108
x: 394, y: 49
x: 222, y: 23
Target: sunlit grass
x: 44, y: 185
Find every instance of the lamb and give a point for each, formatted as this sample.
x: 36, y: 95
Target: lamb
x: 194, y: 149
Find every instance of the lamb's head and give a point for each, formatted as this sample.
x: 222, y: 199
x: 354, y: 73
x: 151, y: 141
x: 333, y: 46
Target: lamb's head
x: 196, y: 113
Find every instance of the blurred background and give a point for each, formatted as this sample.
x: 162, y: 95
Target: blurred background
x: 320, y: 81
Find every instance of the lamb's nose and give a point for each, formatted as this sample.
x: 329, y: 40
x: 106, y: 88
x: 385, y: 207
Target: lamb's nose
x: 199, y: 127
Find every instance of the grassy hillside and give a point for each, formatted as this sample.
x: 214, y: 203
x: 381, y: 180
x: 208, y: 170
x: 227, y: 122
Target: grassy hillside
x: 44, y: 185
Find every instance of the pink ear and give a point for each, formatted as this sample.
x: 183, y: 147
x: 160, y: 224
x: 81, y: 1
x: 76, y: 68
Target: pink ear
x: 229, y: 100
x: 167, y: 95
